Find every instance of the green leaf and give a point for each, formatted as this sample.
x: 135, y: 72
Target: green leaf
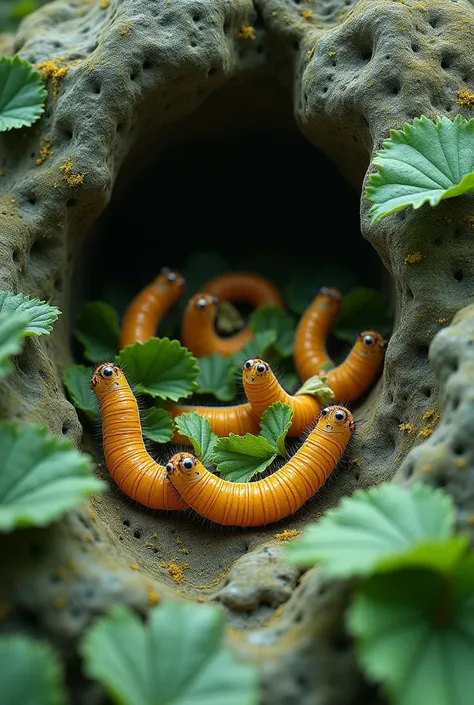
x: 98, y: 330
x: 77, y: 380
x: 199, y: 432
x: 12, y: 333
x: 21, y: 8
x: 424, y: 162
x: 157, y: 425
x: 415, y: 637
x: 31, y: 673
x: 41, y: 315
x: 217, y: 376
x: 362, y: 309
x: 274, y: 425
x: 41, y: 476
x: 239, y: 458
x: 267, y: 318
x: 257, y: 347
x: 22, y: 93
x: 318, y: 387
x: 160, y: 367
x: 176, y: 658
x: 383, y: 523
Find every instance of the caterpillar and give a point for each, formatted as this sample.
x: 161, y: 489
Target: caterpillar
x: 127, y: 460
x: 198, y: 332
x: 262, y: 388
x: 310, y: 352
x: 275, y: 497
x: 223, y: 420
x: 149, y: 306
x: 354, y: 376
x: 243, y: 286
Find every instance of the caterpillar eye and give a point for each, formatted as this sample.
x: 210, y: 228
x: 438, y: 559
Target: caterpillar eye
x: 171, y: 277
x: 169, y: 467
x: 368, y: 340
x: 248, y: 364
x: 340, y: 415
x: 325, y: 411
x: 201, y: 303
x: 188, y: 464
x: 107, y: 371
x: 261, y: 368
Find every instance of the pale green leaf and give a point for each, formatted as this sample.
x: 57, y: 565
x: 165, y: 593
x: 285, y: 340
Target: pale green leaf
x: 228, y: 319
x: 274, y: 425
x: 415, y: 637
x: 217, y: 376
x: 157, y: 425
x: 41, y: 476
x: 266, y: 318
x: 177, y: 658
x: 22, y: 93
x: 12, y: 333
x: 41, y: 315
x: 99, y: 332
x: 31, y: 673
x: 239, y: 458
x: 317, y: 386
x: 199, y: 432
x: 77, y: 380
x: 424, y: 162
x: 383, y: 523
x: 160, y: 367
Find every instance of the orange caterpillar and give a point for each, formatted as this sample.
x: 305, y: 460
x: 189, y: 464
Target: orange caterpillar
x: 354, y: 376
x: 241, y: 286
x: 262, y: 389
x: 149, y: 306
x: 275, y: 497
x: 223, y: 420
x: 127, y: 460
x: 198, y: 332
x: 310, y: 352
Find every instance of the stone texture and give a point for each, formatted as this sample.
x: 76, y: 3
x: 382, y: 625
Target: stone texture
x: 123, y: 77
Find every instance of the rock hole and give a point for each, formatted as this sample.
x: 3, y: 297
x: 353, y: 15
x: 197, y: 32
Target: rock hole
x: 16, y: 254
x: 342, y: 643
x: 121, y: 127
x: 66, y: 428
x: 92, y: 47
x: 212, y: 71
x: 71, y: 202
x: 146, y: 65
x: 458, y: 275
x: 96, y: 87
x: 298, y: 618
x: 126, y: 522
x: 433, y: 22
x: 459, y: 449
x: 366, y: 55
x: 415, y: 47
x: 193, y: 43
x: 422, y: 350
x: 446, y: 62
x: 196, y: 17
x: 410, y: 293
x: 295, y: 45
x: 133, y: 76
x: 426, y: 391
x: 137, y: 534
x: 32, y: 200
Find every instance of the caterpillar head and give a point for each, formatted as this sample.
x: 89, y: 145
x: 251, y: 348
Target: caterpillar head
x: 204, y: 305
x: 170, y: 281
x: 329, y: 297
x: 106, y: 378
x: 255, y: 371
x: 371, y: 345
x: 182, y: 469
x: 336, y: 419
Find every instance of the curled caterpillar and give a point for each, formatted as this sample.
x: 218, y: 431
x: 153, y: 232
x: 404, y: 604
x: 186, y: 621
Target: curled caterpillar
x: 262, y: 388
x: 310, y: 352
x: 223, y: 420
x: 355, y: 375
x: 275, y: 497
x: 128, y: 462
x: 242, y: 286
x: 198, y: 332
x: 149, y: 306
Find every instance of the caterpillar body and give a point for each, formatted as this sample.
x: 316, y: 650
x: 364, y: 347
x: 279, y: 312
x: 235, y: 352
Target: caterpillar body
x: 127, y: 460
x: 275, y: 497
x: 244, y: 286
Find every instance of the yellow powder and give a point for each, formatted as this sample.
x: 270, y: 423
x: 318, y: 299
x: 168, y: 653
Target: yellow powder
x: 246, y: 32
x: 414, y: 258
x: 408, y: 428
x: 69, y: 175
x: 45, y: 151
x: 287, y: 534
x: 104, y: 4
x: 307, y: 14
x: 465, y: 97
x: 153, y: 597
x: 51, y: 70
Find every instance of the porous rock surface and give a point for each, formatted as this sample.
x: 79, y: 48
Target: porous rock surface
x: 121, y: 74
